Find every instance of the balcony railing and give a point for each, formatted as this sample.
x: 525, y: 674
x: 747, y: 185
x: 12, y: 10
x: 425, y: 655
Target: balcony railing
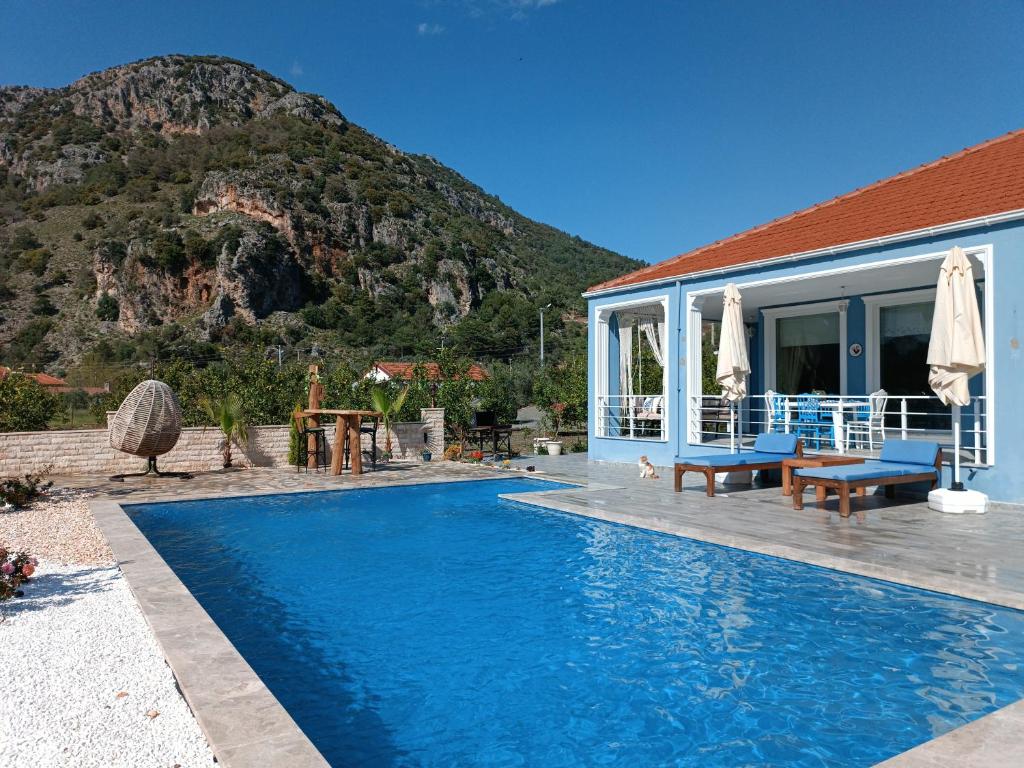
x: 841, y: 424
x: 632, y: 417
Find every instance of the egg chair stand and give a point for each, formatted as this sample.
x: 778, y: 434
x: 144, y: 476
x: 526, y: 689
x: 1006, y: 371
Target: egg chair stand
x: 151, y: 470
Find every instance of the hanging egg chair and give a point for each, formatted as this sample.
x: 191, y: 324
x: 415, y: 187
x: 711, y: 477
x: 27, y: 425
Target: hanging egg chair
x: 147, y: 425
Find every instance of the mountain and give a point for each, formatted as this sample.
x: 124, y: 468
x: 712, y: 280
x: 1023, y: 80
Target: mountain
x: 181, y: 204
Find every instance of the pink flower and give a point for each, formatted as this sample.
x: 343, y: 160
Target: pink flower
x: 7, y: 568
x: 27, y: 570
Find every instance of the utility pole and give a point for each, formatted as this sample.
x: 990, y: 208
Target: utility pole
x: 542, y: 333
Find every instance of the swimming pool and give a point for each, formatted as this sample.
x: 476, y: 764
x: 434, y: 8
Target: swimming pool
x: 437, y: 625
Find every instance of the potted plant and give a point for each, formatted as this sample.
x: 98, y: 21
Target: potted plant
x: 554, y: 447
x: 426, y: 454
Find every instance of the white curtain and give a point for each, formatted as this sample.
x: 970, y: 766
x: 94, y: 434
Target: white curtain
x: 655, y: 333
x: 626, y: 361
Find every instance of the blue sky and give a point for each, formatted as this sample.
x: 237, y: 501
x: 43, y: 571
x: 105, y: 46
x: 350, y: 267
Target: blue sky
x: 646, y: 127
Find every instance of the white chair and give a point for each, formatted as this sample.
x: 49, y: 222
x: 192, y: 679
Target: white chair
x: 776, y: 407
x: 875, y: 421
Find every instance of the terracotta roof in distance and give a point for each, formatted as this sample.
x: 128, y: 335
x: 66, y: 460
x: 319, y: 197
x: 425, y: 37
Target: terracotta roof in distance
x: 983, y: 180
x: 404, y: 371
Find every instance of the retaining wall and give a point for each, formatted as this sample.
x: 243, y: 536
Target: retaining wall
x: 88, y: 451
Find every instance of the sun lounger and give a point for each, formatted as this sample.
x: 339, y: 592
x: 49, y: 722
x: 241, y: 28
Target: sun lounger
x: 769, y: 452
x: 901, y: 461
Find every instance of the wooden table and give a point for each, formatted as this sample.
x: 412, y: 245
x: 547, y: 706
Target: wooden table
x: 346, y: 422
x: 819, y: 460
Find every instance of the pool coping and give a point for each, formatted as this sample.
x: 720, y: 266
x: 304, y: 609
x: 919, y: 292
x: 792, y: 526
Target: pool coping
x: 244, y: 722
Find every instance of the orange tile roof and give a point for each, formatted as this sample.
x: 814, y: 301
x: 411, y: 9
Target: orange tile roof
x: 404, y: 371
x: 983, y: 180
x: 43, y: 379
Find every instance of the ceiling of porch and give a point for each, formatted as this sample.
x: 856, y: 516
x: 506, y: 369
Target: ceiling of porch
x: 802, y: 290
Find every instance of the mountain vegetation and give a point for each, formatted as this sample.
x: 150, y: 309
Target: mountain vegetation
x: 182, y: 207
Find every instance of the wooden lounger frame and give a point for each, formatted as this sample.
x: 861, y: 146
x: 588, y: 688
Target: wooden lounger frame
x: 682, y: 468
x: 843, y: 487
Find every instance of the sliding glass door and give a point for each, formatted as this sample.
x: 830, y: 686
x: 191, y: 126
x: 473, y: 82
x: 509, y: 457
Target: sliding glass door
x: 807, y: 354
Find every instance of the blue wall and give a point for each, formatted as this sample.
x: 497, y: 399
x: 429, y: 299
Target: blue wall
x: 1004, y: 481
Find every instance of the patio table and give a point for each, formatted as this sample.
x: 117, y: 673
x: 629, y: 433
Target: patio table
x: 816, y: 460
x: 346, y: 422
x: 839, y: 409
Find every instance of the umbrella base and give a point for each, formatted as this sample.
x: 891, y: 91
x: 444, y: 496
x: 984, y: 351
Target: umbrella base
x: 957, y: 502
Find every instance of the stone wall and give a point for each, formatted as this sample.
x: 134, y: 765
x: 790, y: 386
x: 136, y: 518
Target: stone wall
x: 87, y: 451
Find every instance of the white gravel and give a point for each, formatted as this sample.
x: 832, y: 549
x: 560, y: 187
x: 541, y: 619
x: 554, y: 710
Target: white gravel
x: 68, y: 648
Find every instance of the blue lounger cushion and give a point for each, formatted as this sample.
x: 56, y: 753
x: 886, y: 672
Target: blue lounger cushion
x: 869, y: 470
x: 733, y: 459
x: 768, y: 448
x: 910, y: 452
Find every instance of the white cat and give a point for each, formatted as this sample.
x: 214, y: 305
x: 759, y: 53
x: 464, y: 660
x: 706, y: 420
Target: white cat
x: 647, y: 469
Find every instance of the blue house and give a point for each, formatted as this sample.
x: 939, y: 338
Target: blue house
x: 837, y: 303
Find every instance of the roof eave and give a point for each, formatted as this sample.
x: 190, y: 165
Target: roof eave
x: 877, y: 242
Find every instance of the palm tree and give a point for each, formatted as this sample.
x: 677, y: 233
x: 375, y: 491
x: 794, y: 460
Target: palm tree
x: 389, y: 411
x: 226, y: 413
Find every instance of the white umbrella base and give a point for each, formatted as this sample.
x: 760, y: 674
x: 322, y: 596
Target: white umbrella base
x: 957, y: 502
x: 741, y: 477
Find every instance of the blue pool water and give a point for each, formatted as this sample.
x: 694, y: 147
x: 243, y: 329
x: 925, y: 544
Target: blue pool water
x: 436, y: 625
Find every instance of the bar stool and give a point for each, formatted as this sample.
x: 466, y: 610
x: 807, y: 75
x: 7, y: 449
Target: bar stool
x: 364, y: 429
x: 320, y: 449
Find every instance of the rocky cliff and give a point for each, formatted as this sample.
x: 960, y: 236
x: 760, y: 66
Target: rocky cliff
x: 203, y: 199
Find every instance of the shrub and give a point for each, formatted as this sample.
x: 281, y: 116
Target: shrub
x: 107, y: 308
x: 16, y: 492
x: 25, y: 406
x: 36, y: 260
x: 15, y: 570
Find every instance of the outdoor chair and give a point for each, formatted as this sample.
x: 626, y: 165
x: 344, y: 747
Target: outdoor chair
x: 776, y: 408
x: 871, y: 419
x: 714, y: 418
x: 809, y: 423
x: 485, y: 425
x: 770, y: 450
x: 902, y: 461
x: 364, y: 429
x: 318, y: 437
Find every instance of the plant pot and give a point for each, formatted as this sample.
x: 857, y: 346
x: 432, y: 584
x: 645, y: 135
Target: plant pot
x: 426, y: 455
x: 554, y: 448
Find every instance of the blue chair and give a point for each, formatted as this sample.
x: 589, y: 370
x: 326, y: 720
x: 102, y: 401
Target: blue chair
x: 901, y: 461
x: 776, y: 414
x: 809, y: 424
x: 770, y: 449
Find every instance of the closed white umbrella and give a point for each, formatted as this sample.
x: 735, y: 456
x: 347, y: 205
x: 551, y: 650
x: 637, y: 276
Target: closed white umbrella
x: 733, y: 363
x: 957, y: 348
x: 955, y: 353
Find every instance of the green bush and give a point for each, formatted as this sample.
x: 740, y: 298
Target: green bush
x: 25, y: 406
x: 108, y: 308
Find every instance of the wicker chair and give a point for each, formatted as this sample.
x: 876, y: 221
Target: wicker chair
x: 147, y: 425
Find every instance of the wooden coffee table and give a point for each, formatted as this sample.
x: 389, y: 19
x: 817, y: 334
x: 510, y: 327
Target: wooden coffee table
x: 788, y: 465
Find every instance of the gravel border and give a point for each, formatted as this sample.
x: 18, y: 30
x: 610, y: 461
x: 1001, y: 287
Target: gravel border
x: 83, y: 681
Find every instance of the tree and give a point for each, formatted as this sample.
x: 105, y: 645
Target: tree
x: 561, y: 392
x: 25, y: 406
x: 389, y: 408
x: 226, y: 413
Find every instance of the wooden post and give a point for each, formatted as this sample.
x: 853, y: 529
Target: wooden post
x: 316, y: 391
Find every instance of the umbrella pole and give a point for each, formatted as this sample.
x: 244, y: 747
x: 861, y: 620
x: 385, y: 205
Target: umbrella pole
x: 732, y: 427
x: 957, y: 485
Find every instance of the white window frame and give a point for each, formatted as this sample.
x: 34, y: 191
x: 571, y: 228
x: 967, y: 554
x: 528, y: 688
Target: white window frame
x: 772, y: 315
x: 603, y: 315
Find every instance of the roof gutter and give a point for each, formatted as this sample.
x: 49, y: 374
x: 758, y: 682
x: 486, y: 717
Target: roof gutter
x: 832, y: 250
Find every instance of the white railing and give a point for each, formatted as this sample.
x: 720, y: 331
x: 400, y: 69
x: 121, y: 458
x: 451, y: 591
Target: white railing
x: 631, y: 417
x: 841, y: 424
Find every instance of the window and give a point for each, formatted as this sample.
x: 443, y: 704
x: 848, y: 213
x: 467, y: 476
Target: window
x: 807, y: 353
